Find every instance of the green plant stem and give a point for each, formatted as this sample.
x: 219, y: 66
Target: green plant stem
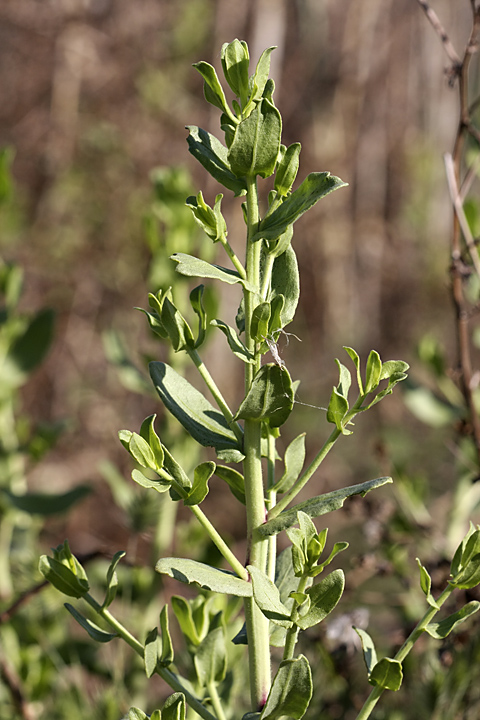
x: 170, y: 678
x: 267, y: 274
x: 257, y: 623
x: 270, y: 503
x: 402, y: 653
x: 236, y: 262
x: 316, y: 462
x: 222, y: 546
x: 217, y: 395
x: 215, y: 700
x: 305, y: 477
x: 214, y: 535
x: 292, y: 633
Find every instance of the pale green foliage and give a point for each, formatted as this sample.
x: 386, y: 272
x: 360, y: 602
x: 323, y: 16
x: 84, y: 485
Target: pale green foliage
x: 277, y: 605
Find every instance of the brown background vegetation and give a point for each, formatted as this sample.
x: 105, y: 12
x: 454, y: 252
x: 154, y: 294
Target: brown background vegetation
x: 96, y: 93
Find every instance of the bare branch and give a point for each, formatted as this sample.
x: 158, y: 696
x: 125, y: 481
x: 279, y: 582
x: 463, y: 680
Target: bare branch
x: 442, y: 34
x: 460, y: 212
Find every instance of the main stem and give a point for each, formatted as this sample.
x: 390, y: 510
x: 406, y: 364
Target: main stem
x: 257, y: 623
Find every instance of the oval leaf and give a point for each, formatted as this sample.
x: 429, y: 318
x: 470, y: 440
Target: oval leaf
x: 291, y: 690
x: 209, y: 578
x: 46, y: 504
x: 387, y: 674
x: 315, y: 186
x: 323, y: 598
x: 267, y: 597
x: 199, y: 418
x: 443, y: 628
x: 270, y: 397
x: 319, y: 505
x: 210, y: 153
x: 93, y: 630
x: 194, y: 267
x: 255, y: 147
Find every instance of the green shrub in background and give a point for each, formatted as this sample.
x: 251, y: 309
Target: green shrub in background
x: 282, y: 595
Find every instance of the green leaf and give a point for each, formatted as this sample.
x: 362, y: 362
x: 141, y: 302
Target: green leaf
x: 267, y: 597
x: 196, y: 301
x: 293, y: 460
x: 345, y: 380
x: 209, y: 578
x: 199, y: 491
x: 457, y: 562
x: 150, y: 655
x: 210, y: 153
x: 373, y: 373
x: 255, y: 147
x: 29, y: 349
x: 46, y: 504
x: 210, y: 220
x: 63, y: 578
x: 387, y: 674
x: 211, y: 658
x: 112, y: 580
x: 147, y: 432
x: 194, y: 267
x: 356, y: 360
x: 174, y: 708
x: 337, y: 410
x: 135, y: 714
x: 393, y: 367
x: 270, y: 397
x: 291, y: 690
x: 157, y: 484
x: 336, y: 550
x: 184, y: 614
x: 260, y: 77
x: 234, y: 342
x: 235, y: 62
x: 175, y: 325
x: 313, y: 188
x: 259, y: 322
x: 192, y: 410
x: 234, y: 480
x: 178, y: 474
x: 469, y: 574
x: 368, y: 646
x: 93, y: 630
x: 324, y: 596
x: 167, y: 654
x: 285, y: 281
x: 287, y: 169
x: 426, y: 585
x: 443, y: 628
x: 212, y: 89
x: 140, y: 450
x: 319, y: 505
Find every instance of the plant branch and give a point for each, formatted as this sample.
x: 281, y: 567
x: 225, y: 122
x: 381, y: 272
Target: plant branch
x: 402, y: 653
x: 170, y: 677
x: 257, y: 623
x: 442, y: 34
x: 217, y: 395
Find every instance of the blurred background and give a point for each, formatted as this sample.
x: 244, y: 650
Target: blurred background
x: 95, y: 96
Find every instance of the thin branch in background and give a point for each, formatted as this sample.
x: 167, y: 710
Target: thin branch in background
x: 12, y: 682
x: 7, y: 614
x: 470, y: 176
x: 442, y: 34
x: 460, y: 212
x: 458, y: 191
